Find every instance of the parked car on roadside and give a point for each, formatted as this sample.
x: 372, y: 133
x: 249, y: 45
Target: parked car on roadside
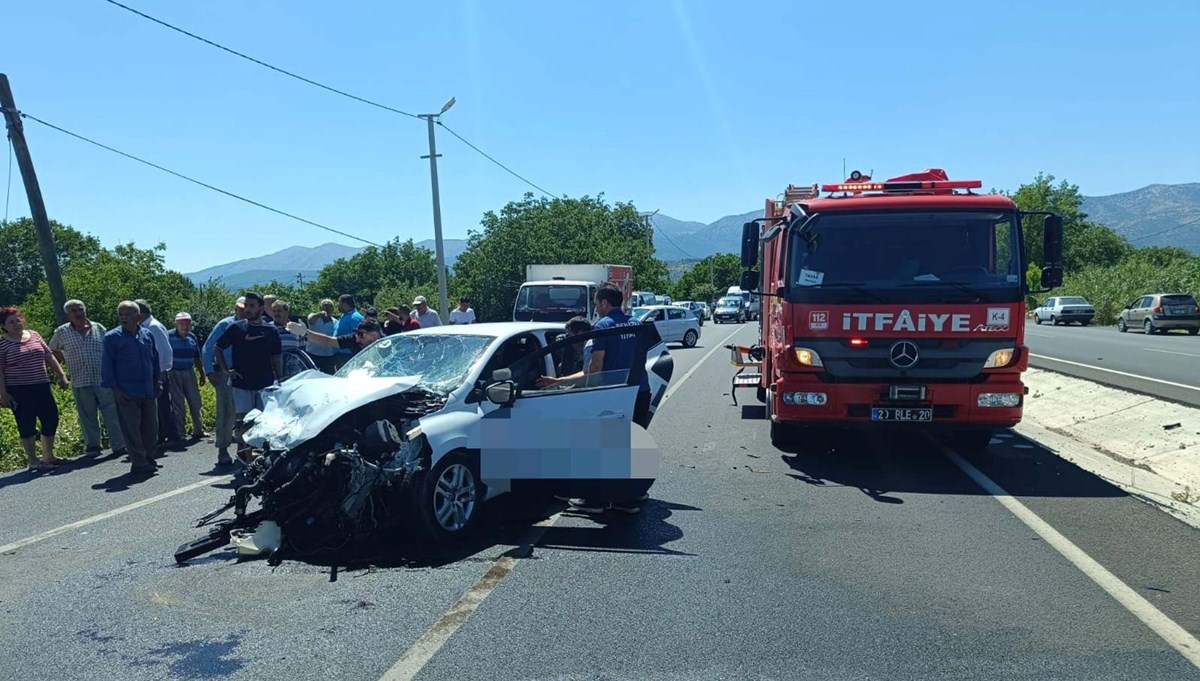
x: 705, y: 309
x: 675, y: 324
x: 1064, y: 310
x: 1160, y: 313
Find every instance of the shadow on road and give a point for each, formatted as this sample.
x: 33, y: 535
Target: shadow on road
x: 885, y: 465
x: 76, y: 464
x: 647, y: 532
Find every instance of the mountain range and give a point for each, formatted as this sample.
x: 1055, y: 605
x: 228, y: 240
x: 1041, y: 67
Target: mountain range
x: 1156, y: 215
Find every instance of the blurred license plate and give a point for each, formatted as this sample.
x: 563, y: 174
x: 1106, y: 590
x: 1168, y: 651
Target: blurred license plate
x: 888, y: 414
x: 1180, y: 310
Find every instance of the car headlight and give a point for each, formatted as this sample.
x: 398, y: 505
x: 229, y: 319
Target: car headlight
x: 808, y: 357
x: 999, y: 358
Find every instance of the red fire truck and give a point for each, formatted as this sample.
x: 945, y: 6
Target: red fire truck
x: 894, y: 303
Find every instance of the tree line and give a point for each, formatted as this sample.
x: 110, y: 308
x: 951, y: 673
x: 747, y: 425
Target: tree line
x: 1100, y: 264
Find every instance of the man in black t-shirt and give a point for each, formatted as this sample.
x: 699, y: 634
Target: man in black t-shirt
x: 257, y: 361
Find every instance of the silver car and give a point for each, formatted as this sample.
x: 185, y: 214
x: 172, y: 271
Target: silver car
x: 1064, y: 310
x: 675, y: 324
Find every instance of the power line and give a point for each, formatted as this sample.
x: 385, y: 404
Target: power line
x: 1164, y: 231
x: 511, y: 171
x: 260, y: 62
x: 325, y: 87
x: 194, y: 181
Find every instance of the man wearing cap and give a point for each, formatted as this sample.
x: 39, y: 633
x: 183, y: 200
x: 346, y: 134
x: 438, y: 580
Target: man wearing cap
x: 220, y: 382
x: 425, y: 316
x: 182, y: 381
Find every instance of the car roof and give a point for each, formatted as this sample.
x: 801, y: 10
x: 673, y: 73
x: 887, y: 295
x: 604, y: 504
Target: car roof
x: 498, y: 329
x: 659, y: 307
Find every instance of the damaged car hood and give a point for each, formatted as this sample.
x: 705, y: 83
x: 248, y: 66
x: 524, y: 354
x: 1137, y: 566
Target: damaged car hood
x: 309, y: 402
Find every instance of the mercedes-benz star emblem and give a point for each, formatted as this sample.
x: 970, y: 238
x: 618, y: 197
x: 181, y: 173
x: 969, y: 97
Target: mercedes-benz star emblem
x: 903, y: 354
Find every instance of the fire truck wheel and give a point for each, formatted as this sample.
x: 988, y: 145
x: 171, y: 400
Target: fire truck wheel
x: 972, y: 441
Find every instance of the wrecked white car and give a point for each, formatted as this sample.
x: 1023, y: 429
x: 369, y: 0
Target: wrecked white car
x: 421, y: 429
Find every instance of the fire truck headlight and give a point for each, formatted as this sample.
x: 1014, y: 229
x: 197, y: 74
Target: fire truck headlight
x: 999, y: 358
x: 808, y: 358
x: 806, y: 399
x: 999, y: 399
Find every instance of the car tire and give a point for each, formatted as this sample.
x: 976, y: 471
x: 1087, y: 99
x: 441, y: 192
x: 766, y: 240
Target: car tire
x: 1037, y: 319
x: 689, y: 339
x: 1148, y: 327
x: 1121, y: 325
x: 1053, y: 320
x: 454, y: 481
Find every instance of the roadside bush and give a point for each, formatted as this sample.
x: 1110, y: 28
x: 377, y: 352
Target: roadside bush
x: 1110, y: 289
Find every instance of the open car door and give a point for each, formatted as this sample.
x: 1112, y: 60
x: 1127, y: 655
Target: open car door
x: 578, y: 431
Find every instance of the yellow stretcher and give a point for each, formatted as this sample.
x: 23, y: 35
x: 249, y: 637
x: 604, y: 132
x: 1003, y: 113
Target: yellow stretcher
x: 748, y: 359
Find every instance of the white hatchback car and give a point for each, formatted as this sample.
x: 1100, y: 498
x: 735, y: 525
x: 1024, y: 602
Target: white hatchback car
x: 439, y: 420
x: 675, y: 324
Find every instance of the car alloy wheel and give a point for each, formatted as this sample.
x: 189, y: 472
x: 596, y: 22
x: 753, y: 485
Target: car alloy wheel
x: 1121, y: 325
x: 689, y: 339
x: 1148, y: 327
x: 454, y: 497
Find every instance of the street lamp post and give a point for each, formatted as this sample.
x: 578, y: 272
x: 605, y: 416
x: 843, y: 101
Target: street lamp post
x: 443, y: 308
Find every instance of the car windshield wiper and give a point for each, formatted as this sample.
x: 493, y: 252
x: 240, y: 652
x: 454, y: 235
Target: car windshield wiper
x: 857, y: 288
x: 965, y: 288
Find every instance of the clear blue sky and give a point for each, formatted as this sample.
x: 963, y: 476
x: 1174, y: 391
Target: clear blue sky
x: 698, y: 109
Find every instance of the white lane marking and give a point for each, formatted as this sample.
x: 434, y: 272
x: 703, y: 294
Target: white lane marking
x: 1175, y: 636
x: 1119, y: 373
x: 421, y: 652
x: 1172, y: 352
x: 9, y: 548
x: 697, y: 365
x: 415, y: 658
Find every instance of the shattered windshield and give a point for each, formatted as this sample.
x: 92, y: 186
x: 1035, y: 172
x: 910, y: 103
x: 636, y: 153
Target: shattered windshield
x: 441, y: 360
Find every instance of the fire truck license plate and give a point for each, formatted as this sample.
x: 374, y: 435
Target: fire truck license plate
x: 888, y: 414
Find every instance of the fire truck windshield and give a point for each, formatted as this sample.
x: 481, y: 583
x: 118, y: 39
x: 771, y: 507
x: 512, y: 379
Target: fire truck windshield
x: 900, y: 254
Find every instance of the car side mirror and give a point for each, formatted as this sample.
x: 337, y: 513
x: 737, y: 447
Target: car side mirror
x: 501, y: 393
x: 749, y: 281
x: 750, y: 233
x: 1052, y: 250
x: 502, y: 375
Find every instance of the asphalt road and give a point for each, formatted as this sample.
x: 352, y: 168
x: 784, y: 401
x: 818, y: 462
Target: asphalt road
x: 876, y: 558
x: 1166, y: 366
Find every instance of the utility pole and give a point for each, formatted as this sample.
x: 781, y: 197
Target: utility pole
x: 443, y: 309
x: 37, y: 208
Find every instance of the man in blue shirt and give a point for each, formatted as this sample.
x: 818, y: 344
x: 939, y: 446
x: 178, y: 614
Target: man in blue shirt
x: 347, y: 323
x: 614, y: 353
x: 130, y: 368
x: 220, y: 382
x: 182, y: 379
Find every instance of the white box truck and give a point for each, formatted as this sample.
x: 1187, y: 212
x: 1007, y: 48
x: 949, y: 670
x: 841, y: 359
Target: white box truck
x: 556, y: 293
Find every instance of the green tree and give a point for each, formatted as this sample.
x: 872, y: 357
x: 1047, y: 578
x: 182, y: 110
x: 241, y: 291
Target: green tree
x: 208, y: 304
x: 552, y: 231
x: 365, y: 274
x: 23, y: 268
x: 125, y: 272
x: 1085, y: 243
x: 695, y: 284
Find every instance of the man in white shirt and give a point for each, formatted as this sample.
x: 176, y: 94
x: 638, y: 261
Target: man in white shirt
x: 464, y: 313
x: 425, y: 316
x: 166, y: 359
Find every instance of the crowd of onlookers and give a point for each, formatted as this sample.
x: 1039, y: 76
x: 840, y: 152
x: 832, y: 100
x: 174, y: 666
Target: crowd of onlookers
x: 143, y: 380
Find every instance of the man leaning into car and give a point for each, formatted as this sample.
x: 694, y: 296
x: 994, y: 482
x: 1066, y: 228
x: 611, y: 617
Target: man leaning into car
x: 368, y: 332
